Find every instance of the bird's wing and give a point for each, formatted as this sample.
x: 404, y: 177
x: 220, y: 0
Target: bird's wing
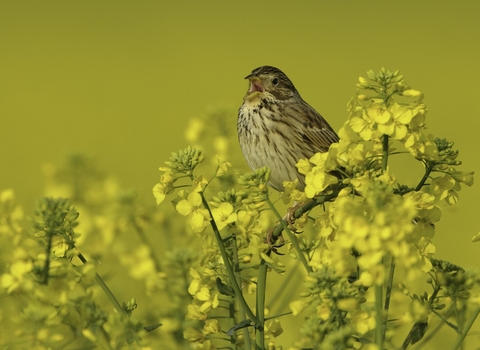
x: 315, y: 131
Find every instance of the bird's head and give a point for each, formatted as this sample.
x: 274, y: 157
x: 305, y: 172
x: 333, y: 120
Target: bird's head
x: 269, y: 82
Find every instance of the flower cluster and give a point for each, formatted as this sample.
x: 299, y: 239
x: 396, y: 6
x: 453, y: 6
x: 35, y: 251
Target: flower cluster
x: 181, y: 164
x: 373, y: 219
x: 371, y: 226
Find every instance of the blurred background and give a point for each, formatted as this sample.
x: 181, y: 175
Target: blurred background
x: 120, y: 80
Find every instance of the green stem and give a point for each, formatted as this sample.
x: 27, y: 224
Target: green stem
x: 380, y: 328
x: 428, y: 169
x: 105, y: 289
x: 426, y: 339
x: 112, y: 298
x: 388, y: 293
x: 238, y: 278
x: 466, y: 329
x: 378, y: 316
x: 261, y: 292
x: 46, y: 269
x: 385, y: 153
x: 290, y: 235
x: 228, y: 267
x: 431, y: 299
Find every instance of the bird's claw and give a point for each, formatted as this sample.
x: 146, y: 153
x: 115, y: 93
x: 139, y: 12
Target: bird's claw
x: 274, y: 242
x: 290, y: 216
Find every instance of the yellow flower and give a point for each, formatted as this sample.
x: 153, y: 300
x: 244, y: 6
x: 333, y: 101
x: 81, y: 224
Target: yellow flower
x: 222, y: 168
x: 298, y: 306
x: 350, y: 155
x: 347, y: 304
x: 379, y: 114
x: 317, y: 181
x: 465, y: 178
x: 199, y: 217
x: 421, y: 200
x: 292, y: 193
x: 363, y: 322
x: 224, y: 215
x: 421, y: 146
x: 411, y: 93
x: 273, y: 328
x: 245, y: 219
x: 194, y: 336
x: 303, y: 166
x: 160, y: 191
x: 418, y: 121
x: 194, y: 313
x: 441, y: 186
x: 363, y: 125
x: 361, y: 184
x: 392, y: 121
x: 211, y: 327
x: 323, y: 311
x: 199, y: 183
x: 17, y: 275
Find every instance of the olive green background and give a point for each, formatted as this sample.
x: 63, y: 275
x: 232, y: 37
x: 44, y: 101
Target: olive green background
x: 119, y: 80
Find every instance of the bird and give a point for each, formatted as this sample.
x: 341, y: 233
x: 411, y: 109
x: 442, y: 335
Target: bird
x: 276, y: 127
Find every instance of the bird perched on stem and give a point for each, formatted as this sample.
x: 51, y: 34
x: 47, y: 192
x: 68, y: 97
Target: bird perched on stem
x: 276, y: 127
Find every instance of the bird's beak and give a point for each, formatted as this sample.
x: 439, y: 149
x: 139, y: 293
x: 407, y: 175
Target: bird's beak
x: 256, y: 87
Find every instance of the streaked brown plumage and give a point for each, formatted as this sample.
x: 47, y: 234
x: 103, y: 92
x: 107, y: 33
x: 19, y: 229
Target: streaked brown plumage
x: 276, y: 127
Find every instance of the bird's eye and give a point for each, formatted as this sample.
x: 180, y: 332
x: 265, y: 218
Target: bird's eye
x: 275, y: 81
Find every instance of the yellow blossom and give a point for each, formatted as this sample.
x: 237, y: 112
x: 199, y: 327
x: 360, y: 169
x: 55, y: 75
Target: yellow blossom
x: 350, y: 155
x: 363, y: 322
x: 199, y: 183
x: 363, y: 125
x: 199, y: 217
x: 222, y: 168
x: 194, y: 313
x: 421, y: 146
x: 246, y: 219
x: 224, y: 215
x: 323, y: 311
x: 17, y: 275
x: 378, y: 113
x: 421, y: 200
x: 160, y: 191
x: 303, y: 166
x: 347, y: 304
x: 211, y: 326
x: 298, y: 306
x: 411, y: 93
x: 192, y: 335
x: 273, y: 328
x: 462, y: 177
x: 292, y: 193
x: 317, y: 180
x: 442, y: 186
